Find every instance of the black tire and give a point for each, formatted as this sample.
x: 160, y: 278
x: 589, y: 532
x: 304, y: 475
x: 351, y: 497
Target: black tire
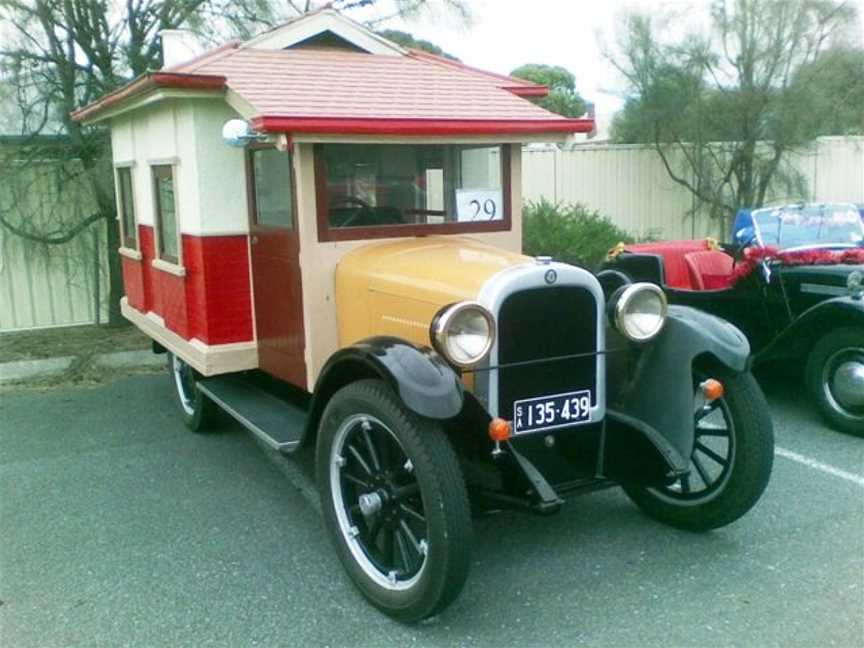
x: 734, y: 487
x: 367, y: 419
x: 837, y: 349
x: 200, y: 414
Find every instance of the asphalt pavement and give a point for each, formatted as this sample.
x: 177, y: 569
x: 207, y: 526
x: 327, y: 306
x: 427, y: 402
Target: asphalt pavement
x: 119, y: 527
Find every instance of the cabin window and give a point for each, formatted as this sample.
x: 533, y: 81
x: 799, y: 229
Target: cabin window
x: 164, y: 196
x: 375, y: 190
x: 126, y: 208
x: 272, y: 195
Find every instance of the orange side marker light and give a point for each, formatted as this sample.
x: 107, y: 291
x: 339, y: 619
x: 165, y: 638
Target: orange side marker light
x: 712, y: 389
x: 500, y: 430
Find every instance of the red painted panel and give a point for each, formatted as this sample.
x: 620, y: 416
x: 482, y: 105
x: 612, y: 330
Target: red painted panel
x: 148, y: 252
x: 419, y: 126
x: 213, y: 302
x: 218, y: 291
x: 172, y: 293
x: 227, y: 289
x: 133, y: 282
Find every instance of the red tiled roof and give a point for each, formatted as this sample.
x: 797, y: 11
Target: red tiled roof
x: 317, y: 90
x: 519, y: 87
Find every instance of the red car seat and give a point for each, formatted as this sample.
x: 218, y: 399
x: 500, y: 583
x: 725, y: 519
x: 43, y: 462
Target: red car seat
x: 675, y: 269
x: 709, y: 269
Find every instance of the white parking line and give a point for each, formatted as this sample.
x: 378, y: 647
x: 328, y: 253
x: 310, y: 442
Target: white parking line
x: 818, y: 465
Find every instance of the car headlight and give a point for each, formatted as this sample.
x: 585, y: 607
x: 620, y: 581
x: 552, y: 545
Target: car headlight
x: 463, y: 333
x: 640, y: 311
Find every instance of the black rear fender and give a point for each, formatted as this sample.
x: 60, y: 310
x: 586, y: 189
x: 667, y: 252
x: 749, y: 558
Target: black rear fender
x: 800, y: 336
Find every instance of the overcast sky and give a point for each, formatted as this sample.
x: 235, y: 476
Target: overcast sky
x: 508, y: 33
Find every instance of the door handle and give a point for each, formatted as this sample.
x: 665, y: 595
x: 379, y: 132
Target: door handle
x: 254, y: 240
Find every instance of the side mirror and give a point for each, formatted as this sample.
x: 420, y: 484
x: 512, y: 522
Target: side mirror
x: 238, y: 133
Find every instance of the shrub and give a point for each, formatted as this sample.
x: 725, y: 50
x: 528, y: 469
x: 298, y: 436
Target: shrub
x: 569, y: 233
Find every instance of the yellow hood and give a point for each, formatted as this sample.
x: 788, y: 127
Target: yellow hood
x: 396, y: 288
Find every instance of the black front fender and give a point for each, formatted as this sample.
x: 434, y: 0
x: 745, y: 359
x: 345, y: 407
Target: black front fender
x: 797, y: 339
x: 659, y: 393
x: 425, y: 383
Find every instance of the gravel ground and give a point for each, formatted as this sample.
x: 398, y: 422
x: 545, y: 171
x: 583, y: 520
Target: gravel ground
x: 119, y: 527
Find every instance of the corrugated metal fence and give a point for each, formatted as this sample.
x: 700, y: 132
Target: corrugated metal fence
x: 45, y: 285
x: 629, y: 184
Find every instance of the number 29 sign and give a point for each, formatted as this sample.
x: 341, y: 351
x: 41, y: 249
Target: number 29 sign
x: 479, y: 205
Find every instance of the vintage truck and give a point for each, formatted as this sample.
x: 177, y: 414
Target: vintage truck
x: 344, y: 271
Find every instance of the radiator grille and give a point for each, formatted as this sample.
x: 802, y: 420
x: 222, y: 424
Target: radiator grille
x: 542, y: 323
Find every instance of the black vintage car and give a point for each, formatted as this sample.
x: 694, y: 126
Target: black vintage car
x: 791, y: 279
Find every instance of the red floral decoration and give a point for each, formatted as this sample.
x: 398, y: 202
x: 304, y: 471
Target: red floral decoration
x: 754, y: 256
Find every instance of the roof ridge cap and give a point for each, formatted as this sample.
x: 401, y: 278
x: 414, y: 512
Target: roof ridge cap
x: 446, y: 62
x: 204, y: 58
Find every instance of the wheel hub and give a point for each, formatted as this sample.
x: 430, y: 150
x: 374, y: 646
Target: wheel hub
x: 847, y: 384
x: 370, y: 504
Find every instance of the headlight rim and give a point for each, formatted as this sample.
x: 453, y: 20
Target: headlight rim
x: 444, y: 317
x: 624, y: 299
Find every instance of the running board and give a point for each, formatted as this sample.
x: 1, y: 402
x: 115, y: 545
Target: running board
x: 276, y: 422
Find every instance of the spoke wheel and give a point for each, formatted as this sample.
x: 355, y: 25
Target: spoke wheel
x: 377, y: 502
x: 835, y: 377
x: 730, y: 463
x: 713, y: 450
x: 199, y: 412
x: 394, y: 501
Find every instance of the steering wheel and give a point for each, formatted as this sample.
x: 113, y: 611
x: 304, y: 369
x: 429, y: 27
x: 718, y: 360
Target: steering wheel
x: 348, y: 201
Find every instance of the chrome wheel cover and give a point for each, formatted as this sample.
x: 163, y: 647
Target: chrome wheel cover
x: 184, y: 382
x: 361, y: 498
x: 843, y: 381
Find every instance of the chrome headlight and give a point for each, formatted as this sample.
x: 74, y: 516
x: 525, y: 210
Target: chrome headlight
x: 640, y: 311
x: 463, y: 333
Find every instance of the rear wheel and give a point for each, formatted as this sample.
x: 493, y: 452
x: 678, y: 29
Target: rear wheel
x: 395, y: 502
x: 835, y: 378
x: 199, y: 412
x: 733, y: 453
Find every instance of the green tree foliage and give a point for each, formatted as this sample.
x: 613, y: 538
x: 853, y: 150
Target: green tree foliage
x: 563, y: 98
x: 832, y: 87
x: 408, y: 40
x: 725, y: 109
x: 569, y: 233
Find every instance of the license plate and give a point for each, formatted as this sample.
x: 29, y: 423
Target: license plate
x: 547, y: 412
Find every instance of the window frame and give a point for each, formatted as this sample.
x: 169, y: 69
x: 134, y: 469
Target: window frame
x: 157, y: 214
x: 119, y: 169
x: 252, y: 194
x: 327, y: 233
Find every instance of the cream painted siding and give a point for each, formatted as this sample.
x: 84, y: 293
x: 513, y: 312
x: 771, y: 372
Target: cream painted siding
x: 629, y: 184
x: 220, y: 175
x: 211, y: 184
x: 318, y: 260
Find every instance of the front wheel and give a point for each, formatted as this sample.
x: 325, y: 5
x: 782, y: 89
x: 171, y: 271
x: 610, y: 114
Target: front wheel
x: 394, y: 500
x: 835, y: 377
x: 733, y: 453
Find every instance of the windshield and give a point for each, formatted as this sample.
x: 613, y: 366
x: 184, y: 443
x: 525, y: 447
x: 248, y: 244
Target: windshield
x: 809, y: 226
